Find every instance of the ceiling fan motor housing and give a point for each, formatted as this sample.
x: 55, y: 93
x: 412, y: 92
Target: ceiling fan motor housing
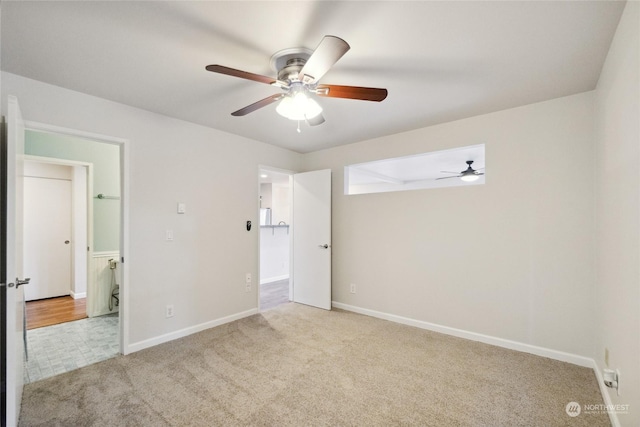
x: 291, y: 70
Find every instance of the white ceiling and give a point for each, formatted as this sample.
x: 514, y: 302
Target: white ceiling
x: 440, y: 61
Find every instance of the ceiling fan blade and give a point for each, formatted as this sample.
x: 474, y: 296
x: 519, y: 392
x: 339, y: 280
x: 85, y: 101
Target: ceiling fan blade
x: 448, y: 177
x: 317, y: 120
x: 330, y: 49
x: 257, y: 105
x: 352, y: 92
x: 239, y: 73
x: 457, y: 173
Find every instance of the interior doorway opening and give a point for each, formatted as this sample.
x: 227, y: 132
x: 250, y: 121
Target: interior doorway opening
x: 78, y: 311
x: 276, y: 285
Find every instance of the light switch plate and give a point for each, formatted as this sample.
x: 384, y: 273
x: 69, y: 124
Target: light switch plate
x: 169, y: 235
x: 182, y: 208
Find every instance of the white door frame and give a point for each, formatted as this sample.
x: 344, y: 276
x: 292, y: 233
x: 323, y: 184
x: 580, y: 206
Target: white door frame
x: 87, y: 201
x: 124, y: 145
x: 284, y: 172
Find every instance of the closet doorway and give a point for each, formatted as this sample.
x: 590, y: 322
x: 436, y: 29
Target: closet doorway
x: 275, y: 238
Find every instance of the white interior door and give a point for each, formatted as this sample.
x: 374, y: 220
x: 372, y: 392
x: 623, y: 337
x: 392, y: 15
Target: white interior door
x: 47, y: 237
x: 14, y: 292
x: 312, y: 238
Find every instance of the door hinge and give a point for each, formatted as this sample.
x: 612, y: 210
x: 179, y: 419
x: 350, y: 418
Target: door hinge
x: 122, y: 260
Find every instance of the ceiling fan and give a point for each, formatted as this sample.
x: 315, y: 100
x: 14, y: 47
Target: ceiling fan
x: 470, y: 174
x: 298, y: 72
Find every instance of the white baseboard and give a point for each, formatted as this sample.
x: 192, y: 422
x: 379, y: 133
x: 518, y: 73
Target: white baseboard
x: 273, y: 279
x: 613, y: 416
x: 141, y: 345
x: 78, y: 295
x: 473, y: 336
x: 500, y: 342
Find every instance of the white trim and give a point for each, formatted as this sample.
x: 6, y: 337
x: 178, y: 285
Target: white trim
x: 43, y: 127
x: 124, y: 145
x: 499, y: 342
x: 261, y: 168
x: 613, y: 416
x: 89, y: 209
x: 273, y: 279
x: 78, y: 295
x: 141, y: 345
x: 473, y: 336
x: 104, y: 254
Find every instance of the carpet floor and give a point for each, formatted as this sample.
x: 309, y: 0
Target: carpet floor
x: 300, y: 366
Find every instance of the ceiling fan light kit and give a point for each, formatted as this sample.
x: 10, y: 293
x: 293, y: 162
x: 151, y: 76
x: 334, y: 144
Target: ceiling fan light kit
x: 298, y: 72
x: 298, y: 106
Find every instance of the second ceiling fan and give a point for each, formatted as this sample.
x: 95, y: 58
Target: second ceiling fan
x: 298, y: 73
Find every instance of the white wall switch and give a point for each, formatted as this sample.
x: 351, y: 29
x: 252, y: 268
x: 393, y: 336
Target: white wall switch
x: 169, y: 235
x: 182, y: 208
x: 353, y: 288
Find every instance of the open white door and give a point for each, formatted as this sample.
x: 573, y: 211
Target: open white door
x: 312, y: 238
x: 15, y: 326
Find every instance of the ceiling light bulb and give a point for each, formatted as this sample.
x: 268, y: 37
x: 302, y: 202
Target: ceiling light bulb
x: 469, y: 177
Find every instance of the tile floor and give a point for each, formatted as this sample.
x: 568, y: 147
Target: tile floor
x: 62, y: 348
x: 273, y: 294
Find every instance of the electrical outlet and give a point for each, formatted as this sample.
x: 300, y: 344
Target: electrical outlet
x: 169, y: 311
x: 606, y: 357
x: 247, y: 278
x: 247, y: 287
x: 247, y: 282
x: 353, y: 288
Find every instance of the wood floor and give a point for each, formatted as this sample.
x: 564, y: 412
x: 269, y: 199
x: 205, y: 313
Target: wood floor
x: 47, y: 312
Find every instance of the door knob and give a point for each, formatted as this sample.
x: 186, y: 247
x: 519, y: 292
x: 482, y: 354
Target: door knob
x: 22, y: 282
x: 66, y: 242
x: 325, y: 246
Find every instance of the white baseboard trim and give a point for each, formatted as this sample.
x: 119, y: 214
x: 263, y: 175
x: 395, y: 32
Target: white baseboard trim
x: 473, y: 336
x: 500, y: 342
x: 78, y: 295
x: 274, y: 279
x: 613, y: 416
x: 141, y: 345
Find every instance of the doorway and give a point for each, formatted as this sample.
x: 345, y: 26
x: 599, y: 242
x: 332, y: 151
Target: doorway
x: 275, y: 238
x: 76, y: 322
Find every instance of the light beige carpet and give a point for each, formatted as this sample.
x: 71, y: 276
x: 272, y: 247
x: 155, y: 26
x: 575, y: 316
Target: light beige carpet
x: 301, y: 366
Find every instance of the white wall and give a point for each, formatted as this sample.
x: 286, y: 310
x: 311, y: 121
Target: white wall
x: 105, y: 159
x: 274, y: 253
x: 202, y: 271
x: 617, y: 182
x: 511, y: 259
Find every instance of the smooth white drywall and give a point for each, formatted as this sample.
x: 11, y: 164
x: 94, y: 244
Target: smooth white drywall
x: 511, y: 259
x: 617, y: 290
x: 202, y: 271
